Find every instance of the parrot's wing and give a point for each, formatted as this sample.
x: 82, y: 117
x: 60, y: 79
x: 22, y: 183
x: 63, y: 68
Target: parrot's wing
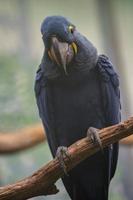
x: 110, y: 92
x: 41, y: 92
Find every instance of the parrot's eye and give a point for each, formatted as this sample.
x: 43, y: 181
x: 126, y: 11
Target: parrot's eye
x: 71, y: 29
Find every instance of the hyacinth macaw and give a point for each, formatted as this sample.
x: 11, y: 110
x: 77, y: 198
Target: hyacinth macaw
x: 76, y: 89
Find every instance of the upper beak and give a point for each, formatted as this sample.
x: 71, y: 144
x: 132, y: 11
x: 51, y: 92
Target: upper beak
x: 62, y: 52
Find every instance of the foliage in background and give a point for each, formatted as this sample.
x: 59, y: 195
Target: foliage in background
x: 17, y: 101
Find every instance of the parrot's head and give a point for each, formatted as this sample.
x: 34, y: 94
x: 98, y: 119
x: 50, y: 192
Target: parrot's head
x: 63, y: 43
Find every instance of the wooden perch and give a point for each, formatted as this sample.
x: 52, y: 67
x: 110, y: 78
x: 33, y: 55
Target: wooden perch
x: 29, y: 137
x: 128, y: 141
x: 22, y: 139
x: 42, y: 182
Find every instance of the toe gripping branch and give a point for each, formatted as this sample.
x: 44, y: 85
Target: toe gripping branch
x: 62, y: 154
x: 94, y: 135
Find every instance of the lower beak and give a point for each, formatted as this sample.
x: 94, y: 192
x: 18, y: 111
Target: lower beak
x: 62, y: 53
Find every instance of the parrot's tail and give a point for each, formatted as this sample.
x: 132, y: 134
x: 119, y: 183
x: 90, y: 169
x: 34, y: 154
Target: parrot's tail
x: 77, y: 192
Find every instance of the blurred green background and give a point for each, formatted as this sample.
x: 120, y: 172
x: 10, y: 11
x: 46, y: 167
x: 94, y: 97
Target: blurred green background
x: 108, y: 24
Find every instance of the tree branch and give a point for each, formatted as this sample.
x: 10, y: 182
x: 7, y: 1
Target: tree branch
x: 22, y: 139
x: 30, y: 136
x: 128, y: 141
x: 42, y: 181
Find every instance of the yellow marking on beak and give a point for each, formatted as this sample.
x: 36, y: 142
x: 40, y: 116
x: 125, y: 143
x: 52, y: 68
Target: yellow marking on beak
x: 50, y: 55
x: 74, y: 47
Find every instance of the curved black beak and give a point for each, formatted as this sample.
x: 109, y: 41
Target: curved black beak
x: 62, y: 53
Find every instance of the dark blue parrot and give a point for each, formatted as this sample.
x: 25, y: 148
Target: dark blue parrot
x: 76, y: 89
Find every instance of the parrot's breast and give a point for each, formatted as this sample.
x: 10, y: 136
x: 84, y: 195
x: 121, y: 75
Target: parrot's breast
x: 76, y: 105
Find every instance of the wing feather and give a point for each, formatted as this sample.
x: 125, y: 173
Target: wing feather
x: 111, y: 103
x: 43, y: 104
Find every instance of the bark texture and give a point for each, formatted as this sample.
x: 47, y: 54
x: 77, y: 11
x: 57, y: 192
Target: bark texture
x: 42, y: 182
x: 28, y: 137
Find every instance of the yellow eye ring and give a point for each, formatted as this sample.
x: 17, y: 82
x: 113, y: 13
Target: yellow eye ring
x: 71, y: 29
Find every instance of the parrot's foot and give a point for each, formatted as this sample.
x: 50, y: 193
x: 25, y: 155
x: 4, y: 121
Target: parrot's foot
x: 94, y: 135
x: 62, y: 154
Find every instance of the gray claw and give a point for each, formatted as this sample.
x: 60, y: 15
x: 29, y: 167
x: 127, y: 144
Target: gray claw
x: 94, y: 135
x: 61, y: 154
